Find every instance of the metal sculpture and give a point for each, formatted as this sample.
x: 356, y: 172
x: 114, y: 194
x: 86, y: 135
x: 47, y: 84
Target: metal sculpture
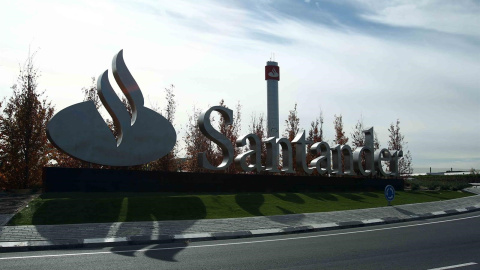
x: 210, y: 132
x: 81, y: 132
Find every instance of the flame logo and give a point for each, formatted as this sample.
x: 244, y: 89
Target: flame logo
x: 80, y: 131
x: 273, y: 73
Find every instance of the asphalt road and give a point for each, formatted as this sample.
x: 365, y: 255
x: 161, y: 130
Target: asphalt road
x: 436, y: 243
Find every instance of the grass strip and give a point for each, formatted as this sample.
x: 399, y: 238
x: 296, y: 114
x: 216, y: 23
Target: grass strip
x: 71, y: 208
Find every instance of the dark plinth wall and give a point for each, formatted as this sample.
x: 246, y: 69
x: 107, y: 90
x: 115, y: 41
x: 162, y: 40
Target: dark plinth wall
x: 97, y: 180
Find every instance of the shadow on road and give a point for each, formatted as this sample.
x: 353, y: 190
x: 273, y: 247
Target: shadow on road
x: 405, y: 212
x: 189, y: 207
x: 166, y: 254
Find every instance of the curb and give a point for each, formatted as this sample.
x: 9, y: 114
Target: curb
x: 194, y: 237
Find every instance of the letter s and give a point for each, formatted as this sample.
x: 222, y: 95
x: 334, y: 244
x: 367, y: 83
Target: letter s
x: 207, y: 129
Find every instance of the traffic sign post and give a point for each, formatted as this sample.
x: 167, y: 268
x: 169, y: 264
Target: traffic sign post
x: 389, y: 194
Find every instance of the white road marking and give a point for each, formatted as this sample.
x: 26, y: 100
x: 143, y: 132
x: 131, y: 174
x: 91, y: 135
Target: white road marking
x: 237, y: 243
x: 454, y: 266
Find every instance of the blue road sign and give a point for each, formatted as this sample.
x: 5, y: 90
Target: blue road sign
x: 389, y: 193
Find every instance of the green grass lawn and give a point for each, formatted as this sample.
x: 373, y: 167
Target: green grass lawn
x: 69, y: 208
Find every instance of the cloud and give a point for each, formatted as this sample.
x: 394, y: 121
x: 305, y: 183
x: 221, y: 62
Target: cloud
x: 453, y: 17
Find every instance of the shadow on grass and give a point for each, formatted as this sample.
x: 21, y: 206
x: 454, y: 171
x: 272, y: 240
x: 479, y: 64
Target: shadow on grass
x: 285, y: 211
x: 73, y: 211
x: 351, y: 196
x: 321, y: 196
x: 289, y: 197
x: 371, y: 195
x: 250, y: 202
x: 165, y: 208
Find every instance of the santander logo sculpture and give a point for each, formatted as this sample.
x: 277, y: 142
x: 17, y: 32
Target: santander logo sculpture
x: 81, y: 132
x: 273, y: 73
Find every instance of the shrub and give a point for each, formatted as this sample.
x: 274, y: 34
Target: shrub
x: 414, y: 186
x: 443, y: 185
x: 430, y: 185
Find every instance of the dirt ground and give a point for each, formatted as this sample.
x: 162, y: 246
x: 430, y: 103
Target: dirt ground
x: 12, y: 203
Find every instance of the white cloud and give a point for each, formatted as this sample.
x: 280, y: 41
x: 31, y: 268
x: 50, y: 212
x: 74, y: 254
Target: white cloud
x: 455, y: 17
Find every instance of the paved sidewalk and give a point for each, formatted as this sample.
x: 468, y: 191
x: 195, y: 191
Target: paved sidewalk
x: 15, y: 238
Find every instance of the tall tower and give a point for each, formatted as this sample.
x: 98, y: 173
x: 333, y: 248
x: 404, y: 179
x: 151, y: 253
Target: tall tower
x: 272, y: 76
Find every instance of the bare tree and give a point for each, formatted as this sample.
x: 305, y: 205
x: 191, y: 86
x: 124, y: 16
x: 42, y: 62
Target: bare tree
x: 397, y: 142
x: 315, y: 134
x: 376, y: 142
x: 292, y: 129
x: 196, y: 142
x: 292, y: 124
x: 340, y: 137
x: 257, y: 127
x: 90, y: 93
x: 358, y: 136
x: 170, y: 162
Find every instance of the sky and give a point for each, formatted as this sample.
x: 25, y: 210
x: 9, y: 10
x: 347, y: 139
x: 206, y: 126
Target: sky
x: 416, y: 61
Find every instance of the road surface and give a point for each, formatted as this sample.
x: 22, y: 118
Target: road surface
x: 441, y: 243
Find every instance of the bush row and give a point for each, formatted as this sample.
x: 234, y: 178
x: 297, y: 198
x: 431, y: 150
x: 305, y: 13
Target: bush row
x: 442, y: 182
